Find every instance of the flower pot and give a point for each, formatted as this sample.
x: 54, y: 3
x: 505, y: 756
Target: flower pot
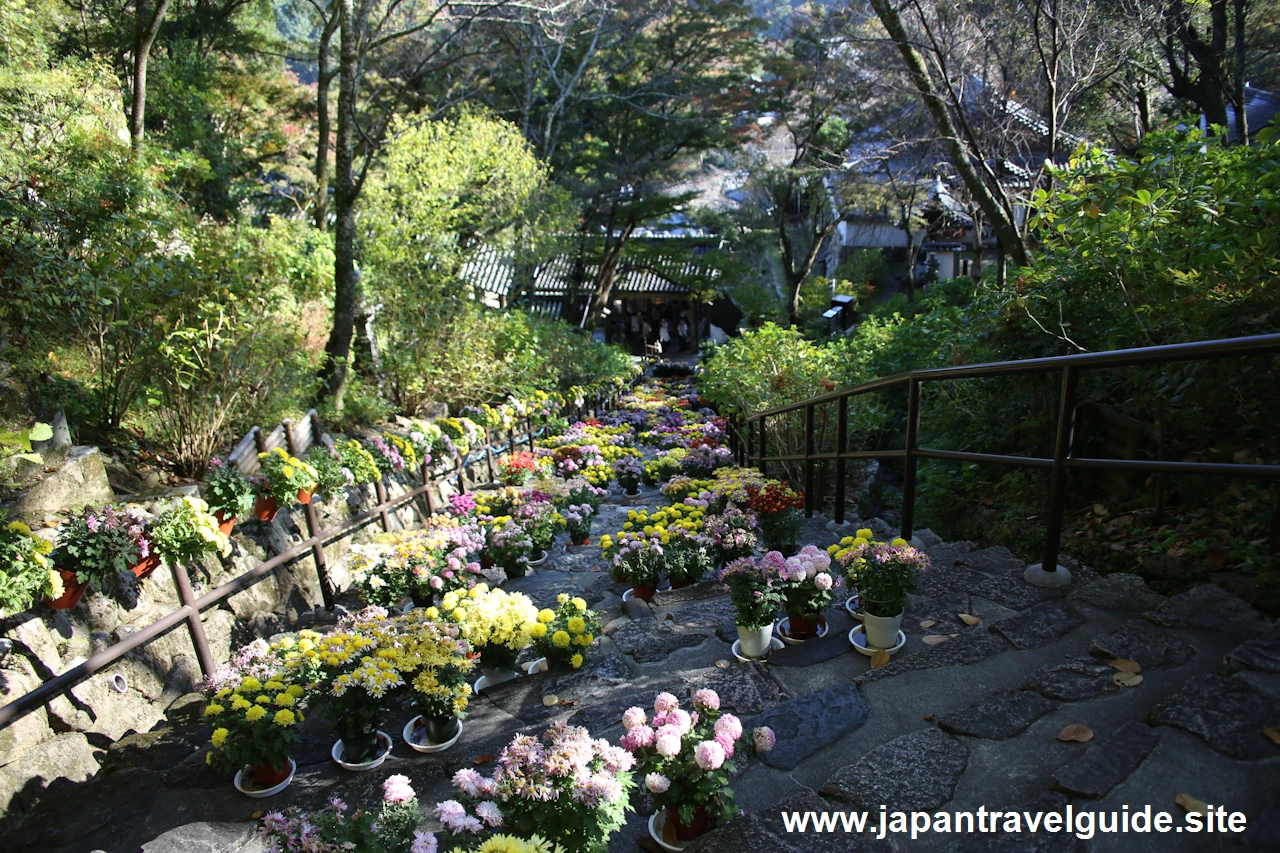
x: 225, y: 525
x: 802, y: 628
x: 261, y: 780
x: 265, y: 508
x: 631, y: 491
x: 687, y: 832
x: 491, y: 676
x: 304, y: 497
x: 363, y: 746
x: 538, y: 557
x: 441, y: 729
x: 146, y: 566
x: 516, y: 570
x: 882, y: 631
x: 644, y: 592
x: 72, y: 589
x: 416, y: 736
x: 486, y: 562
x: 585, y: 540
x: 755, y: 642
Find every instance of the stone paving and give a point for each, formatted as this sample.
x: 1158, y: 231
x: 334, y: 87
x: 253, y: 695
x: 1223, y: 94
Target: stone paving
x: 971, y: 721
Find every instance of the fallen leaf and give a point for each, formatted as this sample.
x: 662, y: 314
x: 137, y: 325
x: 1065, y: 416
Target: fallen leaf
x: 1191, y: 804
x: 934, y: 639
x: 550, y: 699
x: 484, y: 759
x: 568, y: 703
x: 257, y: 814
x: 722, y: 664
x: 1127, y: 679
x: 928, y: 718
x: 969, y: 620
x: 1125, y: 665
x: 928, y: 623
x: 879, y: 658
x: 1273, y: 732
x: 1077, y: 732
x: 1099, y: 509
x: 669, y: 834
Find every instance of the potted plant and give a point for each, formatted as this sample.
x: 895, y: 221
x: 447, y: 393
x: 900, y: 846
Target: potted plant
x: 686, y: 559
x: 688, y: 759
x: 888, y: 572
x: 777, y: 508
x: 358, y: 680
x: 496, y: 623
x: 518, y: 467
x: 541, y: 521
x: 332, y: 476
x: 229, y: 493
x: 360, y: 462
x: 254, y: 729
x: 336, y: 828
x: 562, y: 636
x: 385, y: 455
x: 636, y: 559
x: 509, y: 547
x: 25, y: 570
x: 629, y: 471
x: 808, y: 590
x: 579, y: 491
x: 848, y: 552
x: 186, y: 531
x: 95, y: 545
x: 731, y: 534
x: 577, y: 523
x: 284, y: 480
x: 566, y: 786
x: 701, y: 462
x: 438, y: 678
x: 755, y: 586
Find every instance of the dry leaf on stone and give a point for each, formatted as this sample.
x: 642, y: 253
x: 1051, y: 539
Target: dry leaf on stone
x: 256, y: 815
x: 483, y: 759
x: 1273, y: 733
x: 1078, y: 732
x: 969, y: 620
x: 934, y: 639
x: 550, y: 699
x: 928, y: 718
x: 722, y: 664
x: 879, y: 658
x: 1126, y: 665
x: 928, y: 623
x: 1127, y: 679
x: 568, y: 703
x: 1191, y: 804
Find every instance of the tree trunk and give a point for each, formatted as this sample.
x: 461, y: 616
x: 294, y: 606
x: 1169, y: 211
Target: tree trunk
x: 1242, y: 119
x: 144, y: 36
x: 606, y: 276
x: 346, y: 285
x: 962, y: 158
x: 322, y: 120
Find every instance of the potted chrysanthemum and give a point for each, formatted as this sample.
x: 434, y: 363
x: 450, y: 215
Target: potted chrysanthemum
x: 808, y: 586
x: 508, y: 546
x: 777, y: 509
x: 284, y: 480
x: 229, y: 493
x: 438, y: 656
x: 731, y: 534
x: 563, y: 636
x: 755, y: 586
x: 887, y: 572
x: 359, y: 676
x: 25, y: 570
x: 637, y: 559
x: 497, y: 625
x: 541, y: 521
x: 336, y: 827
x: 255, y: 727
x: 688, y: 759
x: 185, y: 531
x: 95, y: 545
x: 629, y: 471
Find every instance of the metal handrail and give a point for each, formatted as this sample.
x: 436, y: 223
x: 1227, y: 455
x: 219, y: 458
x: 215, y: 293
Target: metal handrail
x: 748, y: 436
x: 191, y: 606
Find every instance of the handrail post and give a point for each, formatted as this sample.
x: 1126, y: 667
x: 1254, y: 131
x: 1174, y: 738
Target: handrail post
x: 746, y: 457
x: 380, y: 490
x: 259, y: 440
x: 808, y: 461
x: 1058, y: 480
x: 426, y: 492
x: 199, y: 640
x: 842, y: 441
x: 763, y: 465
x: 317, y: 554
x: 290, y: 443
x: 528, y: 425
x: 909, y: 459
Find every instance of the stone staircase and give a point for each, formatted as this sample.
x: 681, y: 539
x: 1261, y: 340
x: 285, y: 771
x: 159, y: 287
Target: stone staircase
x: 967, y: 722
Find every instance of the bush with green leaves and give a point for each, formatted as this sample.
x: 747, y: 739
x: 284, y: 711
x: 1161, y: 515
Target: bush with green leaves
x: 360, y: 462
x: 227, y: 490
x: 185, y: 532
x: 332, y: 475
x: 25, y: 570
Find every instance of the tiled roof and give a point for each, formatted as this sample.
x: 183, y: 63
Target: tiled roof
x: 493, y: 271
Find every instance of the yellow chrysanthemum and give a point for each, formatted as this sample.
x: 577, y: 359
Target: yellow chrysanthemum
x: 546, y: 616
x: 580, y: 604
x: 255, y: 713
x: 263, y: 699
x: 899, y: 542
x: 864, y: 533
x: 562, y: 597
x: 284, y: 717
x: 537, y: 630
x: 285, y: 700
x: 560, y: 639
x: 250, y: 684
x: 295, y: 690
x: 575, y: 661
x: 274, y: 685
x: 219, y: 737
x: 239, y: 703
x: 213, y: 709
x: 576, y: 625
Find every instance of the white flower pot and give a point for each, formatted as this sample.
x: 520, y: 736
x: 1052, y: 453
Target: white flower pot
x: 755, y: 642
x: 882, y: 631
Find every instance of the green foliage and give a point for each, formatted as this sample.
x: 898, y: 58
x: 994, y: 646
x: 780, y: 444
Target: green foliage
x: 25, y: 571
x: 17, y: 445
x: 227, y: 490
x: 285, y: 476
x: 185, y: 532
x: 332, y: 476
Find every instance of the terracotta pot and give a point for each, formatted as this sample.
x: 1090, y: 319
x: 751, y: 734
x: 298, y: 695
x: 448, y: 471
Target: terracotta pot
x: 267, y: 776
x: 800, y: 628
x: 146, y: 567
x: 225, y: 525
x: 644, y: 593
x: 701, y: 822
x: 265, y: 508
x: 486, y: 562
x: 681, y: 585
x: 72, y: 590
x: 585, y: 541
x: 304, y: 497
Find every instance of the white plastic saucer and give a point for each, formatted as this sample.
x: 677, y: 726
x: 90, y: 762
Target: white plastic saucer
x: 336, y: 752
x: 539, y: 665
x: 859, y: 640
x: 631, y: 593
x: 265, y: 792
x: 774, y: 645
x: 657, y: 821
x: 854, y: 605
x: 407, y: 734
x: 785, y: 624
x: 485, y: 681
